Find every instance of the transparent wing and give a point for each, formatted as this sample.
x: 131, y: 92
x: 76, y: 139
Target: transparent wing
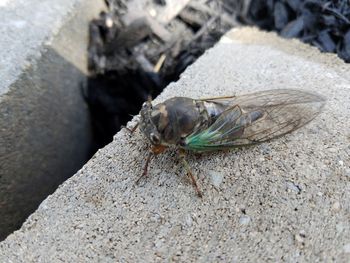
x: 256, y: 118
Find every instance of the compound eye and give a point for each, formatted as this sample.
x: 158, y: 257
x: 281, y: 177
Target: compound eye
x: 154, y: 138
x: 146, y: 105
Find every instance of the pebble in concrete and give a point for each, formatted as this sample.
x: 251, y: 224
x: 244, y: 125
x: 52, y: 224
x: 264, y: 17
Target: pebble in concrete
x: 100, y: 215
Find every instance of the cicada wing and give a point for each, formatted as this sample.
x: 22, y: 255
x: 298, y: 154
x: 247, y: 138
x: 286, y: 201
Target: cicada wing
x: 257, y: 117
x: 270, y: 98
x: 211, y: 138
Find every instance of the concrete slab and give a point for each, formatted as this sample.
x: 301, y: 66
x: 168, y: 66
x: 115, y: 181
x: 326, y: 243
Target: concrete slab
x: 286, y: 200
x: 44, y: 121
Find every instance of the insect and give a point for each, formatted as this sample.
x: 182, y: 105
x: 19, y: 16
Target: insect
x: 225, y: 122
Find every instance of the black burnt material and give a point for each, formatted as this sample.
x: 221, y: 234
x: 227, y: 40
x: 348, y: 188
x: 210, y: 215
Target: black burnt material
x: 324, y: 24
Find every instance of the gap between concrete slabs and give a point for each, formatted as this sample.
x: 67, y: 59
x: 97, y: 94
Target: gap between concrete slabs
x: 44, y: 122
x: 286, y: 200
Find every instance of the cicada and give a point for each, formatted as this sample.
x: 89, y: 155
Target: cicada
x: 226, y: 122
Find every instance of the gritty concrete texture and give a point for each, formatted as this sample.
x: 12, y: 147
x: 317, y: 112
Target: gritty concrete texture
x: 285, y: 200
x: 44, y: 124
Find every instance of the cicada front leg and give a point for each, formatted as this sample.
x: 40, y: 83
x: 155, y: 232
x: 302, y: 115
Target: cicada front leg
x: 132, y: 130
x: 154, y: 151
x: 145, y: 168
x: 182, y: 155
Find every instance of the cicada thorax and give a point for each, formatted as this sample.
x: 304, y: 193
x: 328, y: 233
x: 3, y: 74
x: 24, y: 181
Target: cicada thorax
x: 176, y: 118
x: 179, y: 117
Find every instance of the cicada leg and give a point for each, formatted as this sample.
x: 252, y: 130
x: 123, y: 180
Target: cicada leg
x: 218, y: 98
x: 189, y: 173
x: 145, y: 168
x: 154, y: 151
x: 132, y: 130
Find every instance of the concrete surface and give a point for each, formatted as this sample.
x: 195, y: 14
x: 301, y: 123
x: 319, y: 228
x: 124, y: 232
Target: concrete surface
x: 286, y: 200
x: 44, y: 124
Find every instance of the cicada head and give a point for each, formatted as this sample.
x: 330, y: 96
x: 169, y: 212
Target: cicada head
x: 149, y: 123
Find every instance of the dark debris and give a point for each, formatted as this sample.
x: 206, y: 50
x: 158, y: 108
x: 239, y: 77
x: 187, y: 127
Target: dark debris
x: 324, y: 24
x: 134, y: 52
x: 126, y: 44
